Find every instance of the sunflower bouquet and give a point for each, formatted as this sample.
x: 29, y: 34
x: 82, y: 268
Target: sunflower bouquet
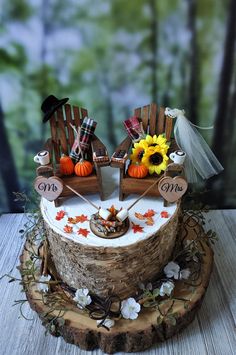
x: 152, y: 153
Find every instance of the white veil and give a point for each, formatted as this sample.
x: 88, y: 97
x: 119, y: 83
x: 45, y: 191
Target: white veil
x: 200, y: 160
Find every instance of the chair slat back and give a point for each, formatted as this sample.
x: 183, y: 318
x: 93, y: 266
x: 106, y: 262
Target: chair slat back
x: 154, y: 120
x: 61, y: 131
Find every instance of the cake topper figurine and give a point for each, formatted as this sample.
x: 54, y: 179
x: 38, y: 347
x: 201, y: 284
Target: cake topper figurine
x: 200, y: 161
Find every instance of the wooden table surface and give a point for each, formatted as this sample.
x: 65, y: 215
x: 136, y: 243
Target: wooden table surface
x: 212, y: 332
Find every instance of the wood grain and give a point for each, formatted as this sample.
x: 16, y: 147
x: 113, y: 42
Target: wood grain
x: 161, y: 121
x: 145, y: 117
x: 62, y: 132
x: 212, y: 332
x: 68, y: 124
x: 153, y: 119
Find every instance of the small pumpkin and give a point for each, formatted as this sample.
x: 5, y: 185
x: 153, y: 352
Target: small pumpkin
x: 66, y: 165
x: 83, y: 168
x: 137, y: 170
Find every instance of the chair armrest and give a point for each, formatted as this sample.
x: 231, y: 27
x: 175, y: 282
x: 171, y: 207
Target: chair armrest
x: 100, y: 154
x: 120, y: 155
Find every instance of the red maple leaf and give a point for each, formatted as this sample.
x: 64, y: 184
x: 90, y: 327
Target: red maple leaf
x: 81, y: 219
x: 149, y: 213
x: 68, y: 229
x: 164, y: 214
x: 60, y: 215
x: 136, y: 228
x: 83, y: 231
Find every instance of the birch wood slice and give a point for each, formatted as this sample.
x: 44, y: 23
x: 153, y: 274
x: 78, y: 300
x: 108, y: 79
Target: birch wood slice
x: 126, y: 336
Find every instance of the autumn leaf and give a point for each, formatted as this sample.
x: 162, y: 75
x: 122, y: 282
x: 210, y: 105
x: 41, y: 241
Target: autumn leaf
x: 83, y: 231
x: 81, y: 219
x: 68, y: 229
x: 149, y: 221
x: 60, y: 215
x: 139, y: 216
x: 149, y: 213
x: 164, y: 214
x: 72, y: 220
x: 137, y: 228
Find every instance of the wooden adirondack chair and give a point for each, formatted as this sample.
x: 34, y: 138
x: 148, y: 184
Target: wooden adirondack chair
x: 61, y: 141
x: 154, y: 122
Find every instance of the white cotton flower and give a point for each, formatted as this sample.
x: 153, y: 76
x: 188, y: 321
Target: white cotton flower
x: 130, y: 308
x: 43, y: 286
x: 166, y: 288
x: 172, y: 270
x: 109, y: 323
x: 82, y: 298
x: 184, y: 274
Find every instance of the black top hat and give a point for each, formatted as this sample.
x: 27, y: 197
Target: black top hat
x: 50, y: 105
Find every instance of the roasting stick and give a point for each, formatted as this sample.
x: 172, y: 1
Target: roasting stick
x: 123, y: 214
x: 105, y: 214
x: 140, y: 197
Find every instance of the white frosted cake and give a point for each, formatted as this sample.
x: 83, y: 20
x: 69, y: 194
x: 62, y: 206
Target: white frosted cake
x: 103, y: 265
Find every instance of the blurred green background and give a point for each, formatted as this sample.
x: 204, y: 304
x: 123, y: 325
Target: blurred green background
x: 111, y: 56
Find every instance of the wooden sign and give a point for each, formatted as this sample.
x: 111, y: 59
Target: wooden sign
x: 172, y: 189
x: 49, y: 188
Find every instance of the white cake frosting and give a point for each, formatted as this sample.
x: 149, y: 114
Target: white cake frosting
x: 74, y: 206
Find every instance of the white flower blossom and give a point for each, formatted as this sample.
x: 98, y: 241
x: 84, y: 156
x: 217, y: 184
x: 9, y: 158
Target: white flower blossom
x: 130, y: 308
x: 184, y: 274
x: 172, y: 270
x: 43, y: 283
x: 166, y: 288
x: 109, y: 323
x: 82, y: 298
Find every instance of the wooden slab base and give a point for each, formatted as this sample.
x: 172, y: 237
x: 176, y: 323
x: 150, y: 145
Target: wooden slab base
x: 150, y: 327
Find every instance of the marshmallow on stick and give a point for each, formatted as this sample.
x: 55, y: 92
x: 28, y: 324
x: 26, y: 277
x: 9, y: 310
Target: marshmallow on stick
x: 124, y: 213
x: 105, y: 214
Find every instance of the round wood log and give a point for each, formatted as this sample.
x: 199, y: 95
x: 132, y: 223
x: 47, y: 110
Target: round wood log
x: 126, y: 335
x: 113, y: 270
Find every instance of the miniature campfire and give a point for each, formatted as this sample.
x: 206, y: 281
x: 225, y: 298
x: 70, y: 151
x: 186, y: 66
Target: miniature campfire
x: 112, y: 227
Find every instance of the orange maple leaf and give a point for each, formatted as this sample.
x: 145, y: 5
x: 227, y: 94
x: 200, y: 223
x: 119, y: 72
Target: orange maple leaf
x: 149, y: 213
x: 113, y: 210
x: 149, y: 221
x: 83, y: 231
x: 136, y: 228
x: 68, y: 229
x: 60, y: 215
x: 81, y: 219
x: 72, y: 220
x: 139, y: 216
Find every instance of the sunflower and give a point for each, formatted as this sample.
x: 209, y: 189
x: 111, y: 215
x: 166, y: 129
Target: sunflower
x: 155, y: 159
x: 138, y: 151
x: 158, y: 140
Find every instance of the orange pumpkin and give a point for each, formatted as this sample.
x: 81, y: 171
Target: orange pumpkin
x: 66, y: 165
x: 137, y: 170
x: 83, y: 168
